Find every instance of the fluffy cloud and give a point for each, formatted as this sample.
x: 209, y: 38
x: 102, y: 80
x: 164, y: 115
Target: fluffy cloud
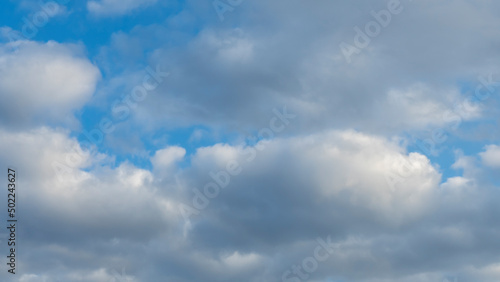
x: 491, y: 156
x: 226, y: 74
x: 287, y: 193
x: 167, y: 157
x: 341, y: 177
x: 291, y: 191
x: 53, y: 167
x: 71, y: 207
x: 322, y: 181
x: 43, y: 82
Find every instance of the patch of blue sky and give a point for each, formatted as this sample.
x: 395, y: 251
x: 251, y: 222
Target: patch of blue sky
x: 443, y: 153
x: 76, y: 24
x: 10, y: 14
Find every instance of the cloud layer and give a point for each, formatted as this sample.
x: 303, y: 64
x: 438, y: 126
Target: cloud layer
x: 267, y: 154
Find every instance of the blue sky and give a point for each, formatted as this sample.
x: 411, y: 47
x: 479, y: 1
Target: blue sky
x: 234, y: 140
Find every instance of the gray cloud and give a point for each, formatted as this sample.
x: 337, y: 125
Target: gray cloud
x: 330, y: 175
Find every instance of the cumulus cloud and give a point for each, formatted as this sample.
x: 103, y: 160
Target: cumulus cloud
x: 200, y: 204
x: 164, y: 161
x: 491, y: 156
x: 338, y: 173
x: 105, y: 199
x: 72, y: 207
x: 43, y: 82
x: 226, y: 74
x: 289, y: 192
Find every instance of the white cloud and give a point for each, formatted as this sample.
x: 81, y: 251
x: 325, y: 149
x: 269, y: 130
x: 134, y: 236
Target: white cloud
x: 337, y: 166
x: 164, y: 160
x: 491, y: 156
x: 295, y: 190
x: 319, y: 178
x: 105, y: 200
x: 44, y: 82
